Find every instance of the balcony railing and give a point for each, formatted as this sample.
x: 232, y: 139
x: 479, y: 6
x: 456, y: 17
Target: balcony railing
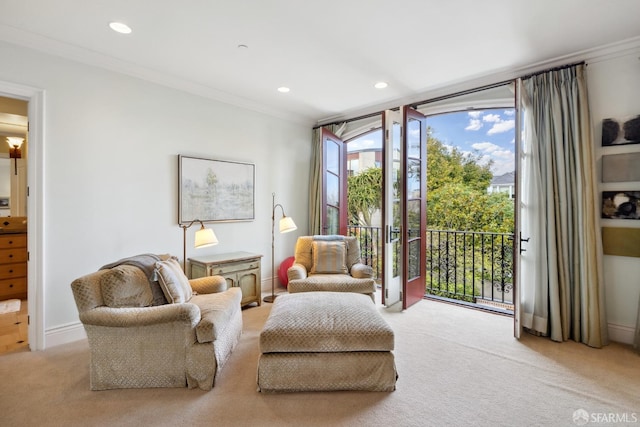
x: 475, y: 267
x: 370, y: 247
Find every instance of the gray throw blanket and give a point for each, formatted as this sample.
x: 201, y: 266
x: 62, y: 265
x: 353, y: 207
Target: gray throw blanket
x: 329, y: 237
x: 146, y: 263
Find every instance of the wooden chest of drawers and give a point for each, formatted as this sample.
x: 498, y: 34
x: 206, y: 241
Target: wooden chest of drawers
x: 13, y: 266
x: 240, y: 269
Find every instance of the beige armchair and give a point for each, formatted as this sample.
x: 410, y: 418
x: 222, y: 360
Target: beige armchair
x: 330, y: 263
x: 149, y: 326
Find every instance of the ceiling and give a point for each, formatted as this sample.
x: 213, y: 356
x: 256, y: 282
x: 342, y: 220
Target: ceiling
x: 330, y: 53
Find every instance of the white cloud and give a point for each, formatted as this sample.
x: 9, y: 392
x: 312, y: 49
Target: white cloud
x: 503, y: 160
x: 503, y: 154
x: 495, y: 118
x: 502, y: 166
x: 499, y: 125
x: 485, y: 159
x: 487, y: 147
x: 474, y: 124
x: 509, y: 112
x: 502, y: 126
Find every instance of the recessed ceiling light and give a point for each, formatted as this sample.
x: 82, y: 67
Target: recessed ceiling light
x: 381, y: 85
x: 283, y: 89
x: 119, y: 27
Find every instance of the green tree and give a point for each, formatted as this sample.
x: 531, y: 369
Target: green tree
x: 457, y: 196
x: 449, y: 165
x: 364, y: 195
x: 456, y: 206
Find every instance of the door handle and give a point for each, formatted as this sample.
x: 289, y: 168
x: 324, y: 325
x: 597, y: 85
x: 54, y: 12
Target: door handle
x: 523, y: 241
x: 391, y: 232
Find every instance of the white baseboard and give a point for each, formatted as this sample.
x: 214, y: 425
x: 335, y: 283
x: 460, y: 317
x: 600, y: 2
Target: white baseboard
x: 621, y: 333
x: 64, y: 334
x: 266, y: 287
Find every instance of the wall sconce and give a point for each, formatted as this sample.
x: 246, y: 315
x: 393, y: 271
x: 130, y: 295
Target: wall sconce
x: 204, y: 237
x: 15, y: 142
x: 286, y: 225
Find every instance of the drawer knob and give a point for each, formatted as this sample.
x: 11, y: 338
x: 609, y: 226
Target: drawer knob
x: 10, y: 255
x: 11, y: 242
x: 10, y: 271
x: 11, y: 285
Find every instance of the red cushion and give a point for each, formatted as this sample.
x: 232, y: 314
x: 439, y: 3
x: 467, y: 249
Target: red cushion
x: 282, y: 272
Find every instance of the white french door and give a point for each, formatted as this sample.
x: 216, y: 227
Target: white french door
x: 393, y: 208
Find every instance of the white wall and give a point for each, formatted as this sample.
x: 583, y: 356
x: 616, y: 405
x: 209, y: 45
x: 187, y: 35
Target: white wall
x: 110, y: 170
x: 614, y: 89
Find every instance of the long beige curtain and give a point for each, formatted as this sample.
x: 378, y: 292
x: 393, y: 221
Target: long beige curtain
x: 315, y: 177
x: 562, y: 291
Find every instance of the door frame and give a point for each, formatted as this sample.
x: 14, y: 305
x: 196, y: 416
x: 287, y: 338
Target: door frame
x: 35, y: 207
x: 517, y: 324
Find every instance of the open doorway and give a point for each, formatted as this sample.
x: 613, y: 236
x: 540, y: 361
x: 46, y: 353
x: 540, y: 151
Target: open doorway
x: 471, y: 206
x: 35, y: 207
x: 13, y: 224
x: 470, y: 195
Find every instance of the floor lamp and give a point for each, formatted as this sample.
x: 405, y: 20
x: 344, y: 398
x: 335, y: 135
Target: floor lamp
x: 204, y: 237
x: 286, y: 225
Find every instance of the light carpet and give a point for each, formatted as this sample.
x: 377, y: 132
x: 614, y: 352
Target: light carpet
x: 457, y: 367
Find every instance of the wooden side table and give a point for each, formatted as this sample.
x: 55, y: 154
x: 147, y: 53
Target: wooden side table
x: 240, y: 269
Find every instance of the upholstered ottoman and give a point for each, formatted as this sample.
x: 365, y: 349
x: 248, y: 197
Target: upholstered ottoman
x: 321, y: 341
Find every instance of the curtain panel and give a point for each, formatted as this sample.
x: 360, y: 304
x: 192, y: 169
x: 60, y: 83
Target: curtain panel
x: 562, y: 291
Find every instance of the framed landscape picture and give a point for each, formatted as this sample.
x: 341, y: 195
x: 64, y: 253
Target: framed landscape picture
x: 215, y: 190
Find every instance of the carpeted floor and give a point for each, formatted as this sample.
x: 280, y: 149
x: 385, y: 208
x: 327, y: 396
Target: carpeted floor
x: 457, y: 367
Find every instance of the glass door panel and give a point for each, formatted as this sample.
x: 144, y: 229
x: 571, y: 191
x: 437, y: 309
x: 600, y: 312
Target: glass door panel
x: 415, y: 147
x: 334, y: 184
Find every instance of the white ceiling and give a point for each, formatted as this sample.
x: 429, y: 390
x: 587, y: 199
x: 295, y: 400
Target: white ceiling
x: 330, y: 53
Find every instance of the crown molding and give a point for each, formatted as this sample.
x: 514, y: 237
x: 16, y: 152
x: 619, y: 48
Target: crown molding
x: 54, y: 47
x: 593, y: 55
x: 79, y: 54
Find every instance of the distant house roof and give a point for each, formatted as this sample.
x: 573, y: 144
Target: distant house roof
x: 505, y: 179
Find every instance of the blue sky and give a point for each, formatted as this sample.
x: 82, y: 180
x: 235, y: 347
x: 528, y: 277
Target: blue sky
x: 489, y: 133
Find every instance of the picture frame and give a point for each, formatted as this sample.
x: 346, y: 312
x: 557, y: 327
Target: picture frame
x: 621, y: 204
x: 621, y: 131
x: 5, y: 202
x: 621, y: 167
x: 212, y: 190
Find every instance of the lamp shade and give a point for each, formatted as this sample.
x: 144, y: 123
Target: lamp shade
x: 287, y: 224
x: 205, y: 237
x: 14, y: 141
